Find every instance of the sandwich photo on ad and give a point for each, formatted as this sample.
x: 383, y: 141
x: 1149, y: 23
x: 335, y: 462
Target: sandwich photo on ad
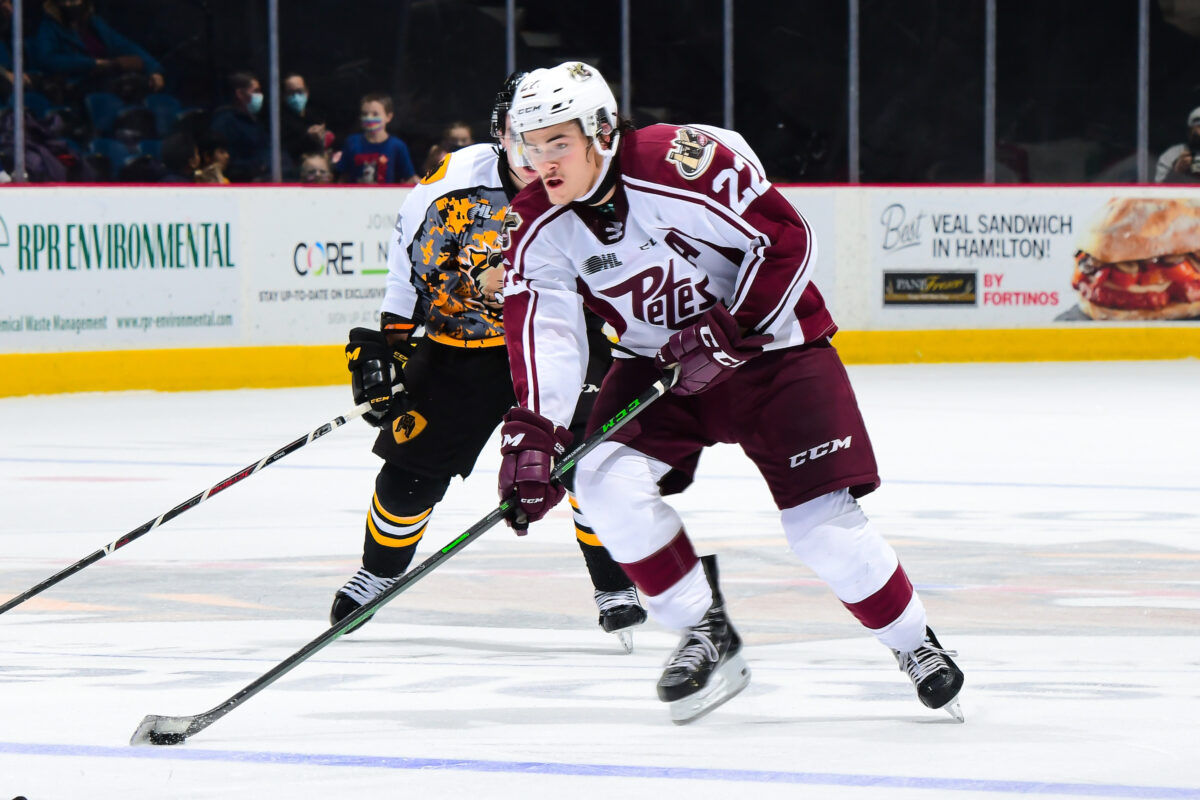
x: 1141, y: 261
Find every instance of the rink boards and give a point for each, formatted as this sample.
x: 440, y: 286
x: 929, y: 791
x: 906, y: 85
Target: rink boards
x: 227, y: 287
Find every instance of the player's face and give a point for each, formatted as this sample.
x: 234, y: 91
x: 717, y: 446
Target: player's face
x: 513, y: 149
x: 565, y: 160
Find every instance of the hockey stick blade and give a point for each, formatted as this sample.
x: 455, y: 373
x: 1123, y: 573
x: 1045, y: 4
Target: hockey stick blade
x: 166, y: 730
x: 188, y: 504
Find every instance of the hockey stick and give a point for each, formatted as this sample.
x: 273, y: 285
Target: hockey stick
x: 156, y: 729
x: 191, y: 502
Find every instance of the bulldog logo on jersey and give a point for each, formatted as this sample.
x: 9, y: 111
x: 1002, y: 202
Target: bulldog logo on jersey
x: 407, y: 427
x: 692, y: 153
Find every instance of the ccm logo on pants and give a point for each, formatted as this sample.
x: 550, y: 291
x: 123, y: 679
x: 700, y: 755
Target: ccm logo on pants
x: 812, y: 454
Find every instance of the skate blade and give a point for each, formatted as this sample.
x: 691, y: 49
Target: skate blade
x: 729, y: 679
x: 955, y: 710
x: 161, y: 730
x: 625, y: 637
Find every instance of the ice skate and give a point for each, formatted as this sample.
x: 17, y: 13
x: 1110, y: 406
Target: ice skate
x: 620, y: 612
x: 937, y: 678
x: 362, y: 588
x: 706, y: 668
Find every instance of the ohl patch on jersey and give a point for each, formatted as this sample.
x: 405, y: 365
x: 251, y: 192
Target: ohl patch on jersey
x: 692, y: 152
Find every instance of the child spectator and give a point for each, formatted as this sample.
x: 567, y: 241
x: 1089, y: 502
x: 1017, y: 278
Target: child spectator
x: 375, y: 156
x: 315, y: 168
x: 214, y: 159
x: 455, y: 136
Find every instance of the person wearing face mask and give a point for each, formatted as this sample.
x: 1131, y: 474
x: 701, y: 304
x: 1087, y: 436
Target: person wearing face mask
x: 302, y: 124
x: 241, y: 125
x: 1180, y: 163
x: 375, y: 156
x: 76, y: 44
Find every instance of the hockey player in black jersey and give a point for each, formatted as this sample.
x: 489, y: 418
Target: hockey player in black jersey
x: 445, y: 275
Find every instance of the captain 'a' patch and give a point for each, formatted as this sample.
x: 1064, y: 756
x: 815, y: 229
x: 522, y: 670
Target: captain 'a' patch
x: 692, y: 152
x: 408, y: 426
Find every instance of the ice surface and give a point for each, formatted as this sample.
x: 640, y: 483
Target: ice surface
x: 1048, y: 513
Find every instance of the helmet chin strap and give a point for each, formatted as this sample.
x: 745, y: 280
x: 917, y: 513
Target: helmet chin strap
x: 603, y: 183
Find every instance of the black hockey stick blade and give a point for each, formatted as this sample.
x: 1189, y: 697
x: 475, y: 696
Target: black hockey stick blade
x: 166, y: 730
x: 188, y: 504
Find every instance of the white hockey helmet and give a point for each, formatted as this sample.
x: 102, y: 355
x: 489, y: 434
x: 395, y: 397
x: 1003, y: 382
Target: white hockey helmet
x: 572, y: 90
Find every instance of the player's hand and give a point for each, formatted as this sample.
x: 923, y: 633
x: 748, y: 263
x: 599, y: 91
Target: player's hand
x: 374, y: 367
x: 708, y: 351
x: 529, y: 445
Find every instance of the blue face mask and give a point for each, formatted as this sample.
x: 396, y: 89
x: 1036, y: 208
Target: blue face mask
x: 296, y: 102
x: 256, y: 101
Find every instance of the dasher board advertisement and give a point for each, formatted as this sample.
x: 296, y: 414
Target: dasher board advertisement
x: 94, y: 269
x: 1020, y: 257
x: 320, y: 263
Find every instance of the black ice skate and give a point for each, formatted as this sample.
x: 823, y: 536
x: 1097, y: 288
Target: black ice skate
x: 706, y: 668
x: 362, y: 588
x: 620, y: 611
x: 937, y: 678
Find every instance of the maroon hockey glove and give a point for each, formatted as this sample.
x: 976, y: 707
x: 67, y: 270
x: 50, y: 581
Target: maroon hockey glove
x: 709, y: 351
x: 529, y: 444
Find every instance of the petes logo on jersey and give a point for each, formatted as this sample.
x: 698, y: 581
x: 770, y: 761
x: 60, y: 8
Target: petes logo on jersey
x: 692, y: 153
x: 659, y: 296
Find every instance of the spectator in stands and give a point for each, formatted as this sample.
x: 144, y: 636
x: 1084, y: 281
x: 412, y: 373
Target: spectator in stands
x: 455, y: 136
x: 375, y: 156
x: 214, y: 159
x: 1180, y: 163
x: 73, y: 43
x: 6, y: 57
x: 302, y: 124
x: 315, y: 168
x: 246, y: 139
x: 180, y: 157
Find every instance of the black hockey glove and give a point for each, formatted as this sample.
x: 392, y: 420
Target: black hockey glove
x: 375, y: 366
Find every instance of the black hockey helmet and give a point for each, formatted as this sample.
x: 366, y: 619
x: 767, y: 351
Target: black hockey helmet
x: 503, y: 102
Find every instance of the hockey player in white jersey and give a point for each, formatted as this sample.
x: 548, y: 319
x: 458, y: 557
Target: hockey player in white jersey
x: 674, y: 235
x: 445, y: 275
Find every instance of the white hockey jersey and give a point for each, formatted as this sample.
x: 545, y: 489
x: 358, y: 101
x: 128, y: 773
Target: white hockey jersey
x: 450, y: 229
x: 693, y: 222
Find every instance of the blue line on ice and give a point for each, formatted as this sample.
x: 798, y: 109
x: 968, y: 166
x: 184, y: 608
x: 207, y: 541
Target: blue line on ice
x: 1118, y: 487
x: 602, y: 770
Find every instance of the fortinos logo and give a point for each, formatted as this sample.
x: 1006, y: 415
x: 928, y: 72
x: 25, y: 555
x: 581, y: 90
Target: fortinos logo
x: 407, y: 427
x: 692, y: 153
